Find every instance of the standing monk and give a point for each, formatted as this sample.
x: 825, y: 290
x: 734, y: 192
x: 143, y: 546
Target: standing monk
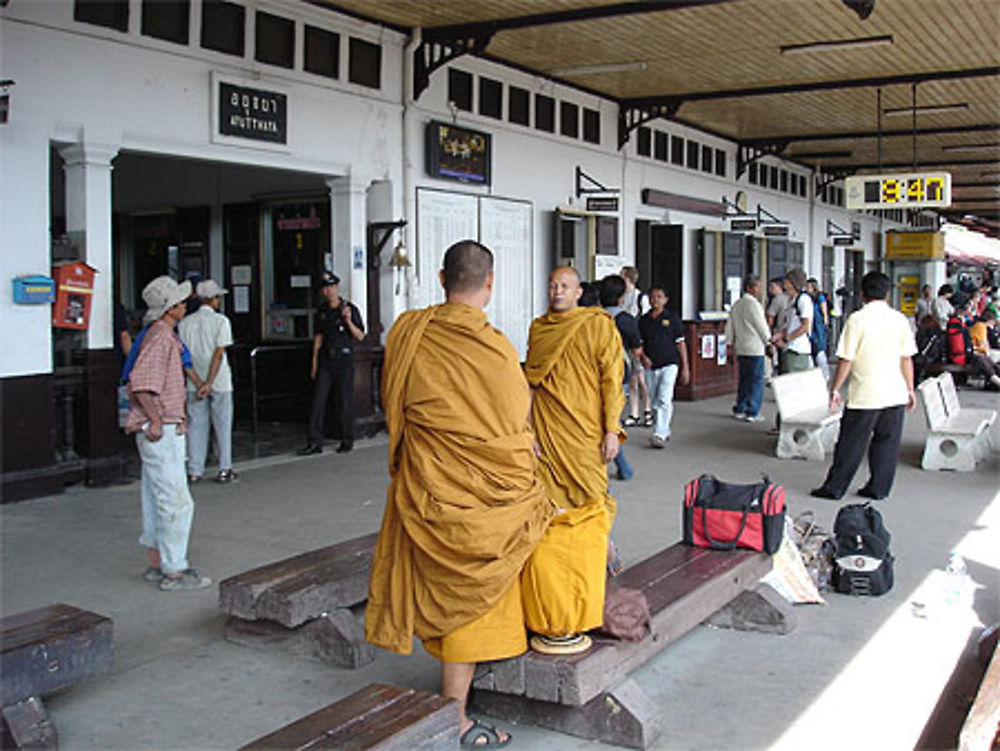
x: 465, y: 508
x: 575, y: 368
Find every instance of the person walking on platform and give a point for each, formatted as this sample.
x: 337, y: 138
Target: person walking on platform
x: 874, y: 351
x: 576, y: 370
x: 636, y: 303
x: 612, y: 293
x: 156, y: 418
x: 207, y: 333
x: 465, y: 507
x: 748, y: 335
x: 665, y: 357
x: 338, y: 326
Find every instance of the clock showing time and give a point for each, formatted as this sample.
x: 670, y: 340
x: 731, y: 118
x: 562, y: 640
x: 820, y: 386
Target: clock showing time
x: 911, y: 190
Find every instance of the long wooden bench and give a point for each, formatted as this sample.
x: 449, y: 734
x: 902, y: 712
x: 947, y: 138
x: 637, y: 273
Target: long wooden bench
x: 808, y: 428
x: 378, y: 716
x: 42, y: 651
x: 590, y: 694
x: 981, y: 730
x: 957, y: 437
x: 305, y: 605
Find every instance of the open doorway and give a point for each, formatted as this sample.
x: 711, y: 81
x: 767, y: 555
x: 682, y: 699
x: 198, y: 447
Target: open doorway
x: 659, y: 257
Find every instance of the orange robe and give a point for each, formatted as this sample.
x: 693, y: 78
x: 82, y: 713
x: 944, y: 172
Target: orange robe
x: 575, y: 366
x: 465, y: 507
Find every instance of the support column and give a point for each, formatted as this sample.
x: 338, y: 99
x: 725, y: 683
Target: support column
x: 348, y: 220
x: 88, y: 223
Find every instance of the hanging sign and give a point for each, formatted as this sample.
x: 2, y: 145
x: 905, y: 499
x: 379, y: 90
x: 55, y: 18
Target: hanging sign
x: 911, y: 190
x: 743, y: 225
x: 602, y: 203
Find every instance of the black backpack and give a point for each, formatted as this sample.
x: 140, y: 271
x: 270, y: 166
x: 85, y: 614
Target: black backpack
x: 862, y: 562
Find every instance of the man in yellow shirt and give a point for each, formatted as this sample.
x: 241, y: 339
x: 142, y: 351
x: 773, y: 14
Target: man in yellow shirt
x: 982, y: 361
x: 465, y: 507
x: 575, y: 369
x: 875, y: 350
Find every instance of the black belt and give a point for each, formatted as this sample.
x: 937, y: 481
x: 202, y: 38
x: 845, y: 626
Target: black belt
x: 340, y: 352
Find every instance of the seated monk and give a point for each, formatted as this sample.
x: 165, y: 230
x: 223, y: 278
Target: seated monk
x: 575, y: 369
x: 465, y: 507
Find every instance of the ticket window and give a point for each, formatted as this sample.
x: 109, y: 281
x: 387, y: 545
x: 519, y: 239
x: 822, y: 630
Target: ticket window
x: 580, y: 236
x: 296, y: 251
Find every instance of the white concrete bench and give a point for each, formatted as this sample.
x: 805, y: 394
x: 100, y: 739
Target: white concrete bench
x: 808, y: 428
x: 957, y: 438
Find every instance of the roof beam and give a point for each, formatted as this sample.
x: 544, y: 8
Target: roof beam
x: 793, y: 88
x: 440, y: 45
x: 855, y: 135
x: 909, y: 165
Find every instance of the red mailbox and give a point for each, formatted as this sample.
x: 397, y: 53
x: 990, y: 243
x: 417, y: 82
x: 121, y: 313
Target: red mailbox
x: 74, y: 292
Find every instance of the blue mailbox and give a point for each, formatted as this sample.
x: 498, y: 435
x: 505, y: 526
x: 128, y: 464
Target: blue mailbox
x: 35, y: 289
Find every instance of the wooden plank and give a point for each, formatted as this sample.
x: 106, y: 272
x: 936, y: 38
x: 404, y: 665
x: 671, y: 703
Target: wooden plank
x: 982, y: 726
x: 48, y: 648
x: 683, y: 585
x: 336, y: 638
x: 378, y: 716
x: 305, y: 585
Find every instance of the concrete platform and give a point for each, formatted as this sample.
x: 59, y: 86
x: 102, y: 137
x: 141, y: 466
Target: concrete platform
x: 177, y: 684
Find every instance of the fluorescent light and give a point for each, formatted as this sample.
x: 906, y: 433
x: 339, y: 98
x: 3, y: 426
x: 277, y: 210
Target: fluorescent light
x: 590, y: 70
x: 926, y: 109
x: 836, y: 45
x: 971, y: 146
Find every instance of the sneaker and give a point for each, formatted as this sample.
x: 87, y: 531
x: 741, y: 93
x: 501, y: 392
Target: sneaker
x: 754, y: 418
x: 188, y: 580
x: 152, y: 574
x: 194, y: 479
x: 226, y: 475
x: 658, y: 442
x: 739, y: 415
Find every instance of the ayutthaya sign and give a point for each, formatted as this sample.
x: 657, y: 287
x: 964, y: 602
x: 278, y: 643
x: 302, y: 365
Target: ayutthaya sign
x: 256, y: 114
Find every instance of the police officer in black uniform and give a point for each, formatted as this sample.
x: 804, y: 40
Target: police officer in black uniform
x: 338, y: 326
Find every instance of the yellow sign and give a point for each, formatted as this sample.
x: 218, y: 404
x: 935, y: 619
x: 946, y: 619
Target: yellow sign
x: 909, y: 290
x: 914, y: 246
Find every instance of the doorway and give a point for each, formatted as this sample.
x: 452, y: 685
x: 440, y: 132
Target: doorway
x: 659, y: 257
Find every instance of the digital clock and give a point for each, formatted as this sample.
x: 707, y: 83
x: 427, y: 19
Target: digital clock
x: 910, y: 190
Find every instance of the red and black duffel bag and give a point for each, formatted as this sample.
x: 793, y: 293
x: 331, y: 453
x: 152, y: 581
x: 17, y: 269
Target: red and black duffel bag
x: 723, y: 516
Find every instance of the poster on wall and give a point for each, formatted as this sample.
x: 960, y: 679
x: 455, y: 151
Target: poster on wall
x: 707, y: 346
x: 720, y: 350
x: 505, y: 227
x: 443, y: 218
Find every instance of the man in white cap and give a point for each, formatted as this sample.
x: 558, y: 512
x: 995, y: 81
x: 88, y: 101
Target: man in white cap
x: 157, y: 418
x: 207, y: 333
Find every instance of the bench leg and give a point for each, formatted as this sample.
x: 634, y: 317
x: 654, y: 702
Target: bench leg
x: 797, y: 441
x: 950, y: 452
x: 623, y: 716
x: 759, y: 609
x: 26, y: 726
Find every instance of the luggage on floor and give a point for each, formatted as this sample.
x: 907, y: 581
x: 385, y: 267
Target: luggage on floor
x: 723, y: 516
x: 862, y: 562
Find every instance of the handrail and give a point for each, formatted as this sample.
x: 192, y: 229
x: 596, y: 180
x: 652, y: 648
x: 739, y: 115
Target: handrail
x: 259, y: 350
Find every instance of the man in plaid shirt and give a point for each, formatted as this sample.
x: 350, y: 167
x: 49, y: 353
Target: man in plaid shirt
x: 157, y: 419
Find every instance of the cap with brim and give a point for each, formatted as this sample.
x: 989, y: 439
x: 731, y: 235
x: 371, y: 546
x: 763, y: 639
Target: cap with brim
x: 328, y: 280
x: 163, y: 293
x: 209, y: 289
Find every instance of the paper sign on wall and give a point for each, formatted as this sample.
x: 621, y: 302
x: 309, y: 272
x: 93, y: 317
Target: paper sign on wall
x: 707, y: 346
x: 240, y: 275
x: 720, y: 350
x: 300, y: 280
x: 241, y: 299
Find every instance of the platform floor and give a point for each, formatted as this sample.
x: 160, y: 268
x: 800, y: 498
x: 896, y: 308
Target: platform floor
x: 863, y: 672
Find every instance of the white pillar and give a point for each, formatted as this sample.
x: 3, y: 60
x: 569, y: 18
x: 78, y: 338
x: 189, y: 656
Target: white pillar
x: 348, y: 222
x: 88, y: 223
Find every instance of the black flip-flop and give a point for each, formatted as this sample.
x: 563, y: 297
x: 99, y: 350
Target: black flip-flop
x: 478, y: 730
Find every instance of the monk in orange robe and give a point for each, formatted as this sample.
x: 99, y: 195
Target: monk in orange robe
x: 465, y: 508
x: 575, y: 369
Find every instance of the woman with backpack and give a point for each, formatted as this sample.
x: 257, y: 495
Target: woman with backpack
x: 819, y: 334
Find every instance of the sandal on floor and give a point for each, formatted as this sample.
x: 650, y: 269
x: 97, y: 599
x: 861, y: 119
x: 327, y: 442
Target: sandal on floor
x: 648, y: 419
x: 632, y: 422
x: 481, y: 735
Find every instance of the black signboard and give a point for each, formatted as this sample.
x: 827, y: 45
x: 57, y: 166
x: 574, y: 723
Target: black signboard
x: 599, y: 203
x: 255, y: 114
x: 776, y: 230
x: 742, y: 225
x: 843, y: 240
x: 458, y: 153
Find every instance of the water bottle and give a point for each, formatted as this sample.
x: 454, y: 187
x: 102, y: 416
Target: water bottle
x: 957, y: 575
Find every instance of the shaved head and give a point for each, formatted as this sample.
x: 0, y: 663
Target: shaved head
x: 564, y: 289
x: 467, y: 267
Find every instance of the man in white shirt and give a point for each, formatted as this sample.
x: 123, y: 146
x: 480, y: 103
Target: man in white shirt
x: 793, y: 339
x: 207, y: 333
x: 875, y: 350
x: 942, y: 308
x: 747, y: 333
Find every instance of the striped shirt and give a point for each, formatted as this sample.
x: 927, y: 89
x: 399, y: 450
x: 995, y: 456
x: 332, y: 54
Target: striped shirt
x: 158, y: 371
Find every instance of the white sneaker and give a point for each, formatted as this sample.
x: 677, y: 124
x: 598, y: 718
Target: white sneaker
x: 754, y: 418
x: 657, y: 442
x: 739, y: 415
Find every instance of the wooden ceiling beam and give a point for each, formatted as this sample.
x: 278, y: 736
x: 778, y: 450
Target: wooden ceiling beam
x: 855, y: 135
x: 921, y: 164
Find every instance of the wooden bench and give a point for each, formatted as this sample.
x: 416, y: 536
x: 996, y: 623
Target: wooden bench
x: 981, y: 730
x: 808, y: 428
x: 305, y: 605
x: 957, y: 437
x: 42, y: 651
x: 378, y: 716
x: 590, y: 694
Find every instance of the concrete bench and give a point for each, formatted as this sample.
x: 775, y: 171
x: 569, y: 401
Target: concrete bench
x: 307, y: 605
x: 808, y: 428
x: 591, y: 694
x: 42, y: 651
x: 378, y: 716
x: 957, y: 437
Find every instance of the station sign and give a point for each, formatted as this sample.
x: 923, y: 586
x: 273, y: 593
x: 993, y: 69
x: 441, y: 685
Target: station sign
x: 602, y: 203
x: 914, y: 246
x: 909, y: 190
x: 743, y: 225
x: 254, y: 114
x: 775, y: 230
